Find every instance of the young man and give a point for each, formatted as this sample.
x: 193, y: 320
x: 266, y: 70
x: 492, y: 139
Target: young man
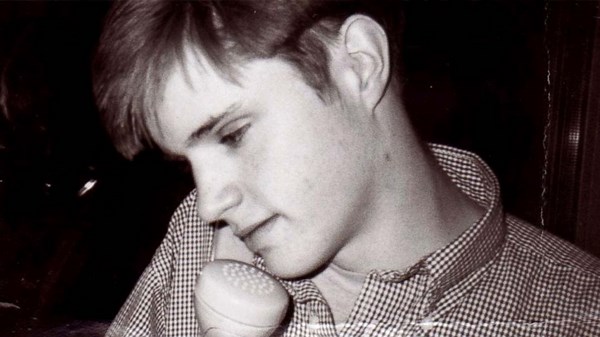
x: 305, y: 162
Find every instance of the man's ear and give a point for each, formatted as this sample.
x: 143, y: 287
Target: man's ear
x: 366, y: 46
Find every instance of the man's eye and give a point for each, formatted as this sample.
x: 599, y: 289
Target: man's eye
x: 233, y: 138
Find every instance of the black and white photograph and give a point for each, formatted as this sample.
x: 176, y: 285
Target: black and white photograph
x: 258, y: 168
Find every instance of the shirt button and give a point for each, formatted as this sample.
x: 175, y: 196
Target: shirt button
x: 313, y: 321
x: 427, y: 324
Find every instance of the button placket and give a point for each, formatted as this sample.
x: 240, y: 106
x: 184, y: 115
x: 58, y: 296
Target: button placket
x: 314, y: 322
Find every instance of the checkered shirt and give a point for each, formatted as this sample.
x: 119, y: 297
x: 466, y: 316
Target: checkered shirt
x: 501, y: 277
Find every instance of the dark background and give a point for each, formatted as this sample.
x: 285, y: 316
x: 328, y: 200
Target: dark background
x: 489, y: 77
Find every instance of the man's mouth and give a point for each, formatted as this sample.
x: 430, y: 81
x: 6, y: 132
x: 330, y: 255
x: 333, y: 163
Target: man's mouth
x: 250, y: 230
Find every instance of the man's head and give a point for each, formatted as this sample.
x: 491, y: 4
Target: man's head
x: 144, y: 40
x: 282, y: 109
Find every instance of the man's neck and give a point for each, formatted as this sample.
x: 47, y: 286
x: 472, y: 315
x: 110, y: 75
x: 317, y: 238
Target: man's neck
x: 341, y: 289
x: 418, y: 211
x: 435, y: 214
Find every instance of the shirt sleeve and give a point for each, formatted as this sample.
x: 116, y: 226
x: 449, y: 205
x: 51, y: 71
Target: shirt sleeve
x: 161, y: 304
x: 143, y: 312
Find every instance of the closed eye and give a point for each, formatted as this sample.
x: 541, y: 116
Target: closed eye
x: 235, y: 137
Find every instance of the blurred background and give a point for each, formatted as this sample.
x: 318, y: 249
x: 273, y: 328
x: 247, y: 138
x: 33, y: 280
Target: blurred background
x: 514, y: 81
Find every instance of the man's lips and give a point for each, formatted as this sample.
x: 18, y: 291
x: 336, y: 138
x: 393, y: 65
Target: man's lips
x: 246, y: 232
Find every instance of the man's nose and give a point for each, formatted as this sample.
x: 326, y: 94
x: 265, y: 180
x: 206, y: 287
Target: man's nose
x: 218, y: 192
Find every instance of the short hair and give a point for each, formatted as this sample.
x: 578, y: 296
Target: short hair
x: 143, y: 39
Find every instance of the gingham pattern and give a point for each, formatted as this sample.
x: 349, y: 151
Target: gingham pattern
x: 501, y: 277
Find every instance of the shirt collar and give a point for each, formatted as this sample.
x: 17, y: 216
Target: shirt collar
x: 482, y: 241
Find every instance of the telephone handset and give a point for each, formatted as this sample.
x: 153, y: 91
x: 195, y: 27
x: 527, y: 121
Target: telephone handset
x: 236, y: 299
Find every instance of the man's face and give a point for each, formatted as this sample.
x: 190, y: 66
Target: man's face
x: 288, y: 172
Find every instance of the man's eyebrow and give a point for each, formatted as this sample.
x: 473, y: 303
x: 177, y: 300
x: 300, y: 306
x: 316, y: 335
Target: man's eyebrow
x: 205, y: 128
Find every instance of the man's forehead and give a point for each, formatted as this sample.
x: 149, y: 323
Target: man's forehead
x: 193, y: 74
x: 195, y: 67
x: 183, y: 86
